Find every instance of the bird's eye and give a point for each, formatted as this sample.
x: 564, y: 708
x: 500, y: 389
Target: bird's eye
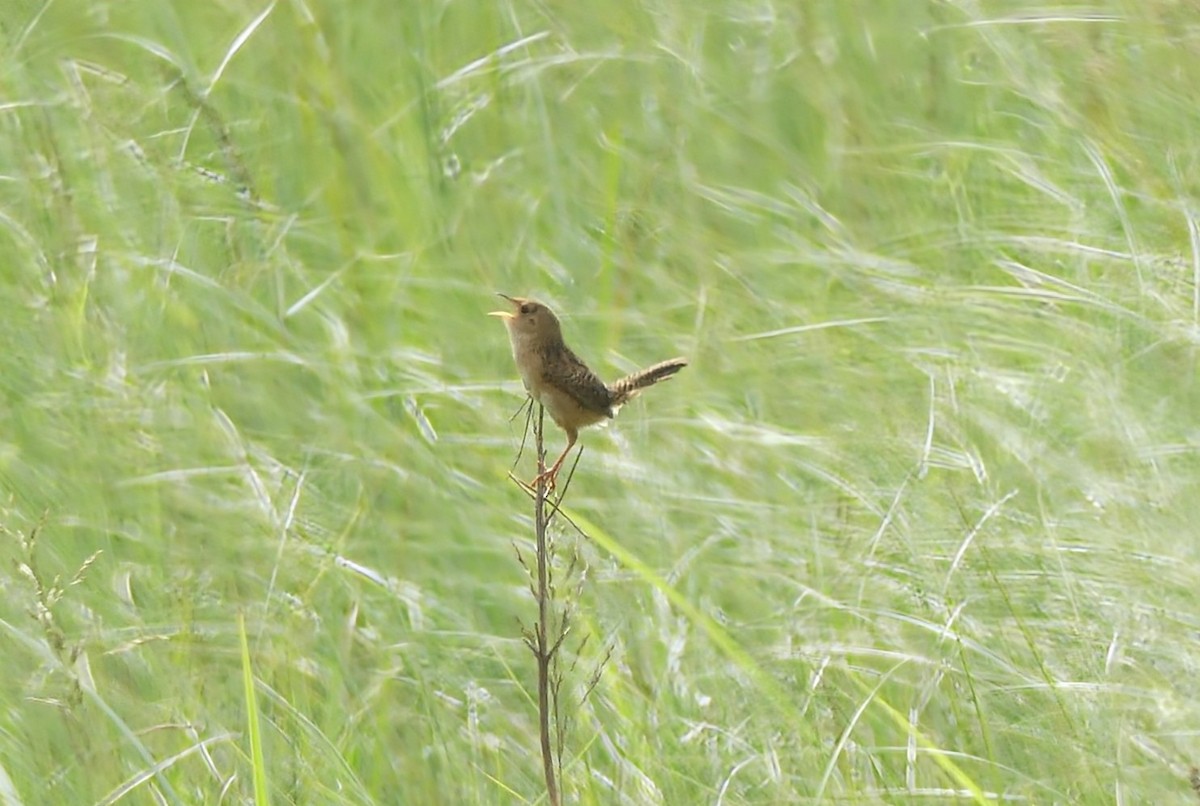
x: 527, y: 308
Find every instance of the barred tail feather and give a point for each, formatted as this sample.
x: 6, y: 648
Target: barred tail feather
x: 625, y: 388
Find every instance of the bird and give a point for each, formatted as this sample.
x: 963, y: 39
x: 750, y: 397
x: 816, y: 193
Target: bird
x: 558, y: 379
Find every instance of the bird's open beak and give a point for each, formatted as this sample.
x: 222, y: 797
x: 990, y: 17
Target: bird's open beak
x: 505, y: 314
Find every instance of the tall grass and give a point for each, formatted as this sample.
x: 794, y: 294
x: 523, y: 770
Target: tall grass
x: 917, y: 525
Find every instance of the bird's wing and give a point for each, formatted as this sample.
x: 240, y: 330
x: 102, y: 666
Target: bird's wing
x: 583, y: 384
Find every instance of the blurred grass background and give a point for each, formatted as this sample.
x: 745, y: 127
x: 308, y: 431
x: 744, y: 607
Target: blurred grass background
x: 919, y: 524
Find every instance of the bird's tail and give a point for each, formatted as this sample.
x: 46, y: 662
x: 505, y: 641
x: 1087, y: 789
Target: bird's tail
x: 624, y: 389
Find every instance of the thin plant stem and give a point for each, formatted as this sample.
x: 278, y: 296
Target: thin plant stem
x: 544, y: 651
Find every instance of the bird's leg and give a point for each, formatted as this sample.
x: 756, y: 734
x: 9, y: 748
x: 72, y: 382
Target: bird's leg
x: 550, y: 475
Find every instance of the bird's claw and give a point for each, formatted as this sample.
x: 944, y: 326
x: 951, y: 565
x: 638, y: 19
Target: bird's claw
x: 548, y: 478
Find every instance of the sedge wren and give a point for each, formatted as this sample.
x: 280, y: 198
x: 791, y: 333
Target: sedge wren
x: 555, y: 377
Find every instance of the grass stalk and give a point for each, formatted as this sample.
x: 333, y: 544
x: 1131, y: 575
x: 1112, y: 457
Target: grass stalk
x: 543, y: 650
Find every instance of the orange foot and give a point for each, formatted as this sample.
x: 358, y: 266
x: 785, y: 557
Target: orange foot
x: 548, y: 478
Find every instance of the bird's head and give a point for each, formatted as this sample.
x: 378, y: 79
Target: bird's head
x: 529, y: 320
